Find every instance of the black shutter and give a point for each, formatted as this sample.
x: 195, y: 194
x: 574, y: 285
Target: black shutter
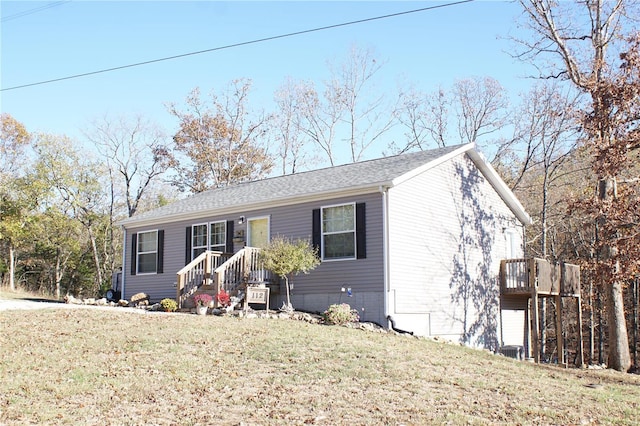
x: 229, y: 248
x: 160, y: 252
x: 187, y: 251
x: 361, y: 231
x: 316, y: 233
x: 134, y: 253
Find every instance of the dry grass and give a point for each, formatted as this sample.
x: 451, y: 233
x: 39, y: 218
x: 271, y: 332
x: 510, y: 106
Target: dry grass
x: 113, y: 367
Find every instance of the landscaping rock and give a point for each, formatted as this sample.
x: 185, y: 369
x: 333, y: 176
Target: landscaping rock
x: 72, y: 300
x: 139, y: 299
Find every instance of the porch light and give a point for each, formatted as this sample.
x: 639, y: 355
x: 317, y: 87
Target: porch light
x: 241, y: 220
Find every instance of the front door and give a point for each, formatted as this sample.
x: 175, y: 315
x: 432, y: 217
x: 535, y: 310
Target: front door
x: 258, y: 232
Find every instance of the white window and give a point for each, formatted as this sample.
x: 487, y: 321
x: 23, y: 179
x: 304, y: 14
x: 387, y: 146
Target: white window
x: 199, y: 239
x: 218, y: 240
x: 147, y: 252
x: 208, y: 236
x: 339, y: 232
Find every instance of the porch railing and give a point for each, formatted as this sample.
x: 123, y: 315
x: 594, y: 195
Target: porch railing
x: 524, y: 275
x: 244, y: 267
x: 197, y: 273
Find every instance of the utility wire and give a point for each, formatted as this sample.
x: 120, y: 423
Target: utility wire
x: 244, y: 43
x: 34, y: 10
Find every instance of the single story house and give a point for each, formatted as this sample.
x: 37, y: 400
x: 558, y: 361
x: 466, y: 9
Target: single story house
x: 414, y: 240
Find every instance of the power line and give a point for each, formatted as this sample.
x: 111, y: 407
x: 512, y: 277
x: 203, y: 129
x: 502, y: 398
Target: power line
x: 34, y: 10
x: 244, y: 43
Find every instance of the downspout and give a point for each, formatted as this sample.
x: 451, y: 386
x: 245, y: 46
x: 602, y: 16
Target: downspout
x: 385, y: 250
x: 124, y: 257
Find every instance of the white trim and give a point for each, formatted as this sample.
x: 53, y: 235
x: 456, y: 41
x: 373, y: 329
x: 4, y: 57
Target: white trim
x: 193, y: 246
x: 224, y: 244
x: 148, y: 231
x: 433, y: 163
x: 124, y: 264
x: 322, y: 233
x: 500, y: 186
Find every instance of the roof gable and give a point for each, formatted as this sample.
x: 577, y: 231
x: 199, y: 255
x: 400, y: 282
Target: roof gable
x: 355, y: 178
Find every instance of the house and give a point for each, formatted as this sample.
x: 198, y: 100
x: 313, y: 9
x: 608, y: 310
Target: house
x: 415, y: 238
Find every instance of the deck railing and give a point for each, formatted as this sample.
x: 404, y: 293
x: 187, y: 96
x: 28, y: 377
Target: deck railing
x: 198, y: 272
x: 244, y: 267
x: 524, y: 275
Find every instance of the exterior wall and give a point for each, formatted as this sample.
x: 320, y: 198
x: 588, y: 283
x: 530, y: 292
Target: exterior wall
x: 447, y: 233
x: 312, y: 292
x: 515, y: 330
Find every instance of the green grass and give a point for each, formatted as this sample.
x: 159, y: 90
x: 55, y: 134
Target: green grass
x: 94, y: 366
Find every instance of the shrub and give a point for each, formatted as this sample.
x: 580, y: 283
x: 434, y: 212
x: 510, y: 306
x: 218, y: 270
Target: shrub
x: 168, y: 305
x: 223, y: 299
x: 340, y: 314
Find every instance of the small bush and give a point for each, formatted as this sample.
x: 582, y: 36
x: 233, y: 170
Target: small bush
x: 340, y: 314
x: 168, y: 305
x: 223, y: 299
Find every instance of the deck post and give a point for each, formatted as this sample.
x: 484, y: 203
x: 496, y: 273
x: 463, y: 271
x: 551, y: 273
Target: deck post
x: 580, y: 344
x: 208, y: 268
x: 535, y: 327
x: 179, y: 286
x: 532, y: 275
x: 559, y: 337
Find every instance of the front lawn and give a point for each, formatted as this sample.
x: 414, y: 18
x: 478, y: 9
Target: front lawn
x: 91, y: 366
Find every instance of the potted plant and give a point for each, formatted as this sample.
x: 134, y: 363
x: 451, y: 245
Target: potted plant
x: 223, y: 300
x: 202, y: 302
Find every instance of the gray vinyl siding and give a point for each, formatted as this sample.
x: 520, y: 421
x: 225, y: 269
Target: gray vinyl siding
x: 312, y: 291
x: 446, y: 238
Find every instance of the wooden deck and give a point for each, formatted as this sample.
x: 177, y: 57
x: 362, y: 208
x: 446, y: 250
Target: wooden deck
x: 537, y: 278
x: 525, y: 276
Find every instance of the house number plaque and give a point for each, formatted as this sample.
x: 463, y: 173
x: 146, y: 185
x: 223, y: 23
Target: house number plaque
x: 258, y: 295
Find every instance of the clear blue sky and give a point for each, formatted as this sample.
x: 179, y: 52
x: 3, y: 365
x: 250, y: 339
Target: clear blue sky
x: 429, y: 49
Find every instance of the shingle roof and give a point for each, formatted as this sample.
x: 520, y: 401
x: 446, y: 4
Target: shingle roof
x: 365, y: 174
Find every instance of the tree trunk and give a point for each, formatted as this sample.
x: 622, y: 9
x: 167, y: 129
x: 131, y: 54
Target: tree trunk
x: 12, y: 268
x: 58, y: 276
x: 619, y: 355
x: 96, y: 257
x: 286, y: 285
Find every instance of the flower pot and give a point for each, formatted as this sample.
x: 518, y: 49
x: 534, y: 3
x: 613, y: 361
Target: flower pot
x: 201, y: 309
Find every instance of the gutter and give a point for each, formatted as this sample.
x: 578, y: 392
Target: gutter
x: 385, y: 249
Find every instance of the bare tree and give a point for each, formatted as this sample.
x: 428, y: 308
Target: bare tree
x: 364, y: 112
x: 479, y: 106
x: 425, y: 119
x: 286, y: 126
x: 319, y: 119
x: 580, y: 39
x: 349, y: 110
x: 136, y: 153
